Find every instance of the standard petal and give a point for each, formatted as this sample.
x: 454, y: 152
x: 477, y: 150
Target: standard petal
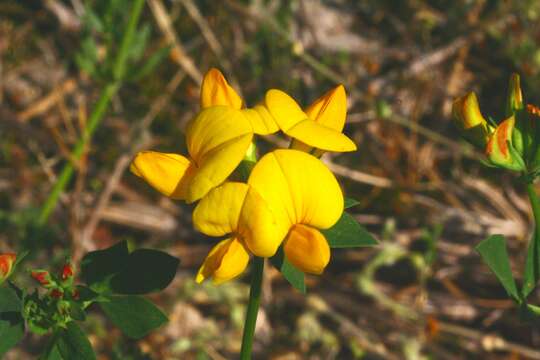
x: 298, y: 188
x: 216, y: 166
x: 330, y: 109
x: 321, y: 137
x: 258, y: 227
x: 261, y: 121
x: 284, y: 109
x: 216, y: 91
x: 226, y: 260
x: 218, y: 212
x: 170, y: 174
x: 307, y: 249
x: 212, y: 127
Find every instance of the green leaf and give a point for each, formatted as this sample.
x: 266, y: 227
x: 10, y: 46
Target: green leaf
x: 347, y: 233
x: 294, y: 276
x: 9, y: 301
x: 145, y: 271
x: 76, y: 311
x: 349, y: 203
x: 134, y: 315
x: 11, y: 330
x: 98, y: 267
x: 531, y: 273
x: 494, y: 254
x: 72, y: 343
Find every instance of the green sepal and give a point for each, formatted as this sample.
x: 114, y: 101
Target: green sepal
x: 294, y: 276
x: 348, y: 233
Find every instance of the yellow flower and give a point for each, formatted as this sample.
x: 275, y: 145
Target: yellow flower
x: 289, y: 196
x: 217, y: 140
x: 320, y: 126
x: 216, y: 90
x: 469, y: 119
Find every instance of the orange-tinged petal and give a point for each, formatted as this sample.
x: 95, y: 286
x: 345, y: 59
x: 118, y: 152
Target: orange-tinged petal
x: 307, y: 249
x: 7, y: 261
x: 258, y: 227
x: 330, y: 109
x: 216, y: 91
x: 469, y: 119
x: 261, y: 121
x: 321, y: 137
x: 226, y: 260
x: 216, y: 166
x: 218, y: 212
x: 298, y: 188
x: 497, y: 149
x: 212, y: 127
x: 168, y: 173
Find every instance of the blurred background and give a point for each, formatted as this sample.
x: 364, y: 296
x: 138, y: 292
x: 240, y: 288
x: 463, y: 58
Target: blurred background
x: 423, y: 293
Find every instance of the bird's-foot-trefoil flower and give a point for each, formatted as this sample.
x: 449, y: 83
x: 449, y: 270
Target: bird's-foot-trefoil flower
x: 281, y: 203
x: 320, y: 126
x: 217, y: 140
x: 469, y: 120
x: 7, y: 261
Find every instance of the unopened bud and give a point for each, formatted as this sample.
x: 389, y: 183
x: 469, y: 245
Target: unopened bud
x: 7, y: 261
x: 42, y: 277
x: 515, y: 96
x: 67, y: 272
x: 469, y: 119
x: 57, y: 294
x: 498, y: 149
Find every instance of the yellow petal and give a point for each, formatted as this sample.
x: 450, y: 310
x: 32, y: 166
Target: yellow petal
x: 258, y: 226
x: 321, y: 137
x: 170, y: 174
x: 218, y: 212
x: 307, y: 249
x: 284, y: 109
x: 212, y: 127
x: 261, y: 121
x: 216, y: 91
x: 298, y: 188
x: 330, y: 109
x: 226, y: 260
x: 469, y: 119
x: 216, y: 166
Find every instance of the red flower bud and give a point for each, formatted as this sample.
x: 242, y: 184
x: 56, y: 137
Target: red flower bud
x: 41, y: 276
x: 67, y: 271
x: 6, y: 265
x: 57, y: 294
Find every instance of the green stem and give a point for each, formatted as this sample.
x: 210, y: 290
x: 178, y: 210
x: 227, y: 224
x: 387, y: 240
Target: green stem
x: 532, y: 270
x: 99, y: 111
x: 253, y: 308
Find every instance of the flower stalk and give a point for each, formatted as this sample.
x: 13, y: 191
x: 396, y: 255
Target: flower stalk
x: 253, y: 308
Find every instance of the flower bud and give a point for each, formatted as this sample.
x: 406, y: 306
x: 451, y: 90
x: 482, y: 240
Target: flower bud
x: 515, y: 96
x: 469, y: 119
x: 7, y: 261
x: 67, y: 272
x: 57, y: 294
x: 42, y: 277
x: 499, y: 147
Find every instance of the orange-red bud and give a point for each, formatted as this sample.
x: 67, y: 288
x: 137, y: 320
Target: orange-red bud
x: 498, y: 147
x: 67, y: 271
x: 42, y: 277
x: 57, y: 294
x: 6, y: 265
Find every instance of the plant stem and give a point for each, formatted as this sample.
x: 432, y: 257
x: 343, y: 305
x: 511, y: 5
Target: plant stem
x: 97, y: 114
x: 253, y: 308
x: 532, y: 270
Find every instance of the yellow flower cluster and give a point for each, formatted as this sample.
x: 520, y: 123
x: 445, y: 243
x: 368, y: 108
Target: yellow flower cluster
x: 290, y: 194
